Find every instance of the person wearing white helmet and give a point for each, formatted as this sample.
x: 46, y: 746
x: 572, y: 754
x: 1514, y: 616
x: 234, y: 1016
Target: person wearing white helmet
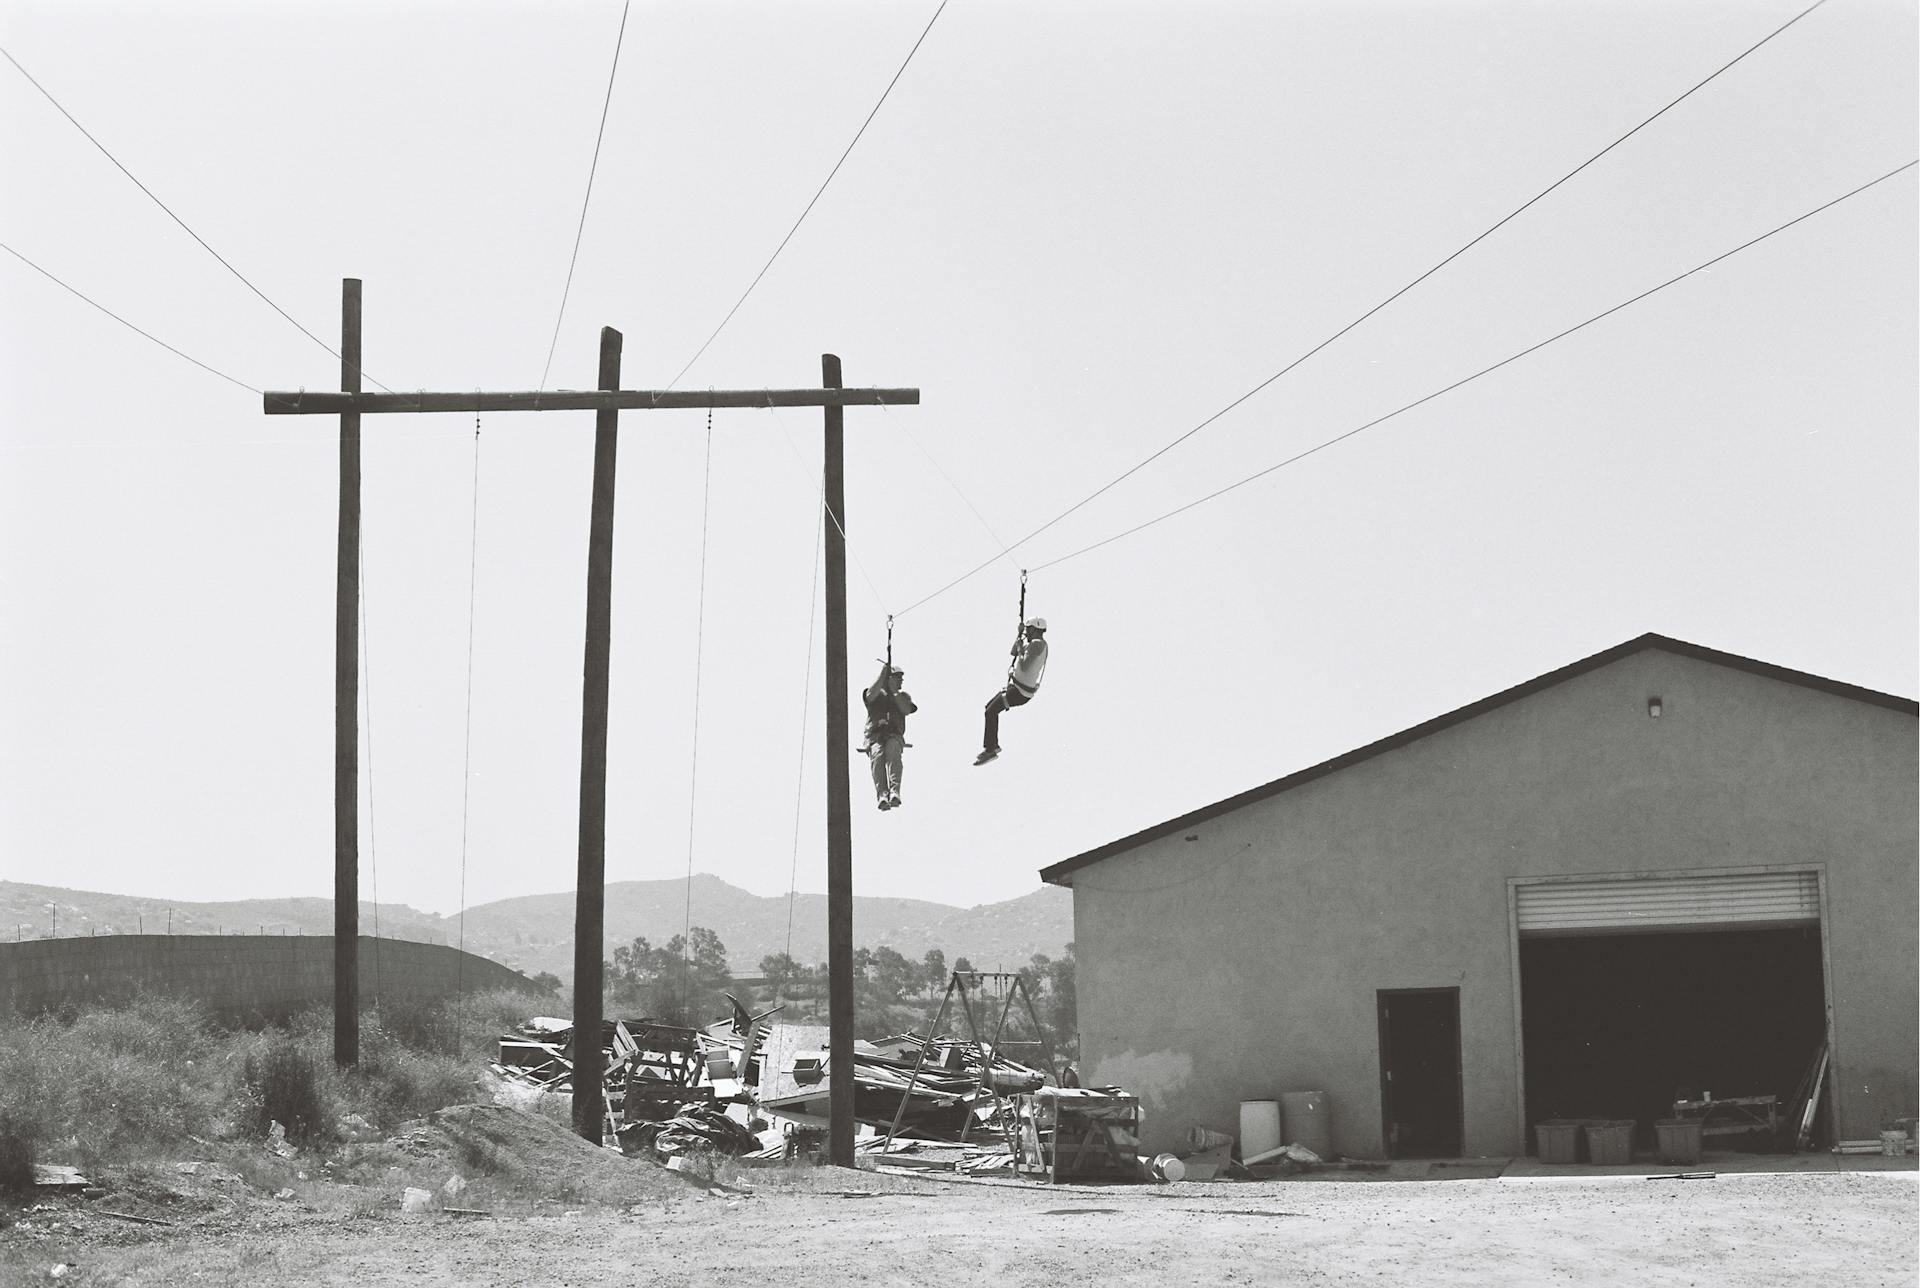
x: 1023, y: 681
x: 888, y: 707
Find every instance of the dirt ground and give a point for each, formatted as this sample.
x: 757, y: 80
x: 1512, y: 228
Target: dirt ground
x: 825, y: 1228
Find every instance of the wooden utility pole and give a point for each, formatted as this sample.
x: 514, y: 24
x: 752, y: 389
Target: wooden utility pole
x: 346, y: 703
x: 840, y: 1127
x: 590, y: 899
x: 590, y: 903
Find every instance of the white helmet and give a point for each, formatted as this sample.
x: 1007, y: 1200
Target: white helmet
x: 1037, y: 624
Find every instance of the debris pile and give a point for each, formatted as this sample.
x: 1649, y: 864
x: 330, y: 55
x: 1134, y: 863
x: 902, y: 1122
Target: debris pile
x: 749, y: 1087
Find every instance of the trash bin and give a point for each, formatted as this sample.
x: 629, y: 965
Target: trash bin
x: 1610, y: 1141
x: 1558, y: 1140
x: 1678, y: 1139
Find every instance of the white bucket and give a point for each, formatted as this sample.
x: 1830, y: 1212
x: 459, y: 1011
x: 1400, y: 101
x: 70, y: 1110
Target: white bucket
x: 1259, y: 1127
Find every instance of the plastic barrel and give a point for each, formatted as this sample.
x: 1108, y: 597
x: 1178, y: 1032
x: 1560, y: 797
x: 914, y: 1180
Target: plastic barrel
x: 1169, y: 1168
x: 1309, y: 1120
x: 1259, y: 1127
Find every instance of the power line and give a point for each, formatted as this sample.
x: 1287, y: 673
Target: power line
x: 593, y: 169
x: 1476, y: 375
x: 806, y: 695
x: 1516, y: 212
x: 176, y: 219
x: 852, y: 554
x: 816, y: 197
x: 693, y: 771
x: 366, y: 707
x: 123, y: 322
x: 466, y: 755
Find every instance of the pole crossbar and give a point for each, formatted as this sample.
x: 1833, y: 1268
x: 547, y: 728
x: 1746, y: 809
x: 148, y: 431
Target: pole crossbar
x: 305, y: 402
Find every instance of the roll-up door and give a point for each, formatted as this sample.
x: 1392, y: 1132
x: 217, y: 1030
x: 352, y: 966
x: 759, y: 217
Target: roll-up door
x: 1628, y: 906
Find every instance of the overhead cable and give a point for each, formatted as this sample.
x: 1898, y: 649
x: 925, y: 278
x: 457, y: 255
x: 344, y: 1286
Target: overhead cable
x: 828, y: 515
x: 816, y: 197
x: 964, y: 498
x: 592, y: 169
x: 1535, y: 348
x: 1495, y: 227
x: 123, y: 322
x: 176, y: 219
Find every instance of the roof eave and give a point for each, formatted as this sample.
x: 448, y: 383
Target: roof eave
x: 1060, y: 873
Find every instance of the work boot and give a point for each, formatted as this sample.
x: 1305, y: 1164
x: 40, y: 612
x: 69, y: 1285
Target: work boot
x: 886, y: 802
x: 986, y: 755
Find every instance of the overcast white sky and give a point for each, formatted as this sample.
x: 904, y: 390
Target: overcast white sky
x: 1079, y: 229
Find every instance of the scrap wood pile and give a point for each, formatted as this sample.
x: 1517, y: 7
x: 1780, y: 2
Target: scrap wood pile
x: 745, y: 1087
x: 979, y: 1062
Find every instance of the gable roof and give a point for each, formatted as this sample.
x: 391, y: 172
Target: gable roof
x: 1059, y: 873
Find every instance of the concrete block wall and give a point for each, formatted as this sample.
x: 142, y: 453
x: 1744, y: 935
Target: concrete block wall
x: 246, y: 976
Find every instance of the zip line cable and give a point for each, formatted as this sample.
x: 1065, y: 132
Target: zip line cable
x: 1517, y: 211
x: 123, y: 322
x: 466, y: 758
x: 816, y: 197
x: 592, y: 169
x: 964, y: 498
x: 693, y: 775
x: 1476, y: 375
x: 806, y: 697
x: 176, y: 219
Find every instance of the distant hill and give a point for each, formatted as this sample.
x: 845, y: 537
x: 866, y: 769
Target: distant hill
x: 534, y: 933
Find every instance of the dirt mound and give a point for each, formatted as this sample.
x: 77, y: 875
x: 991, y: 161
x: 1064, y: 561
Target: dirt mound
x: 535, y: 1154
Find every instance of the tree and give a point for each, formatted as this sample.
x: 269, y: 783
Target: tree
x: 782, y: 973
x: 936, y: 969
x: 546, y: 982
x: 892, y: 974
x: 962, y: 966
x: 1059, y: 1010
x: 676, y: 983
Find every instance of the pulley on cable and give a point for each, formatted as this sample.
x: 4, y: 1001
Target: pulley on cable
x: 888, y: 706
x: 1028, y: 665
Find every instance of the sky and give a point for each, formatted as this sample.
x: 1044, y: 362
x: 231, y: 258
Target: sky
x: 1081, y: 230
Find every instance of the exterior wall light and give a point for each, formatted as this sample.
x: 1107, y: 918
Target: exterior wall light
x: 1654, y: 707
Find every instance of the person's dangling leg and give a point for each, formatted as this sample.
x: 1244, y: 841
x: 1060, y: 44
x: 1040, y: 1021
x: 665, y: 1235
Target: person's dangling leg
x: 877, y: 761
x: 896, y: 770
x: 990, y: 737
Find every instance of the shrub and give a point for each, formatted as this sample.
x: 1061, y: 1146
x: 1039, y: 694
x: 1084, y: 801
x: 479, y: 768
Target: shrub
x: 16, y: 1157
x: 283, y: 1082
x: 110, y: 1082
x: 396, y: 1081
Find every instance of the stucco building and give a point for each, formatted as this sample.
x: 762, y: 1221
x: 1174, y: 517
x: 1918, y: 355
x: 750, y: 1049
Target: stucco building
x: 1661, y: 869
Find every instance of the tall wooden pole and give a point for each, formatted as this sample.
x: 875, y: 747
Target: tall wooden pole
x: 346, y: 703
x: 840, y: 1127
x: 590, y: 911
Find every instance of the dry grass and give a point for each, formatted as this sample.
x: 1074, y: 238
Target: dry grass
x: 148, y: 1079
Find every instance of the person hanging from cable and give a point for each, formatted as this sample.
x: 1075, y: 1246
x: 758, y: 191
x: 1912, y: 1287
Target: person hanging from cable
x: 1023, y: 675
x: 888, y: 706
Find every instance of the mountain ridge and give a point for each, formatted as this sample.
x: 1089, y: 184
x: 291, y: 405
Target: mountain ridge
x: 534, y: 933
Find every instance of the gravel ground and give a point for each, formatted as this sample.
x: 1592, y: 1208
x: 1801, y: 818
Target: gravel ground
x: 826, y: 1229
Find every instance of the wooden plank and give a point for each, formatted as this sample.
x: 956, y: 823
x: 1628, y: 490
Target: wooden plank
x: 307, y: 402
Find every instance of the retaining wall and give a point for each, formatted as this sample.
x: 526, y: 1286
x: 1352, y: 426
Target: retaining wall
x: 252, y: 976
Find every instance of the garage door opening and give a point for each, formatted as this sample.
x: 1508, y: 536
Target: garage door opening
x: 1622, y: 1025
